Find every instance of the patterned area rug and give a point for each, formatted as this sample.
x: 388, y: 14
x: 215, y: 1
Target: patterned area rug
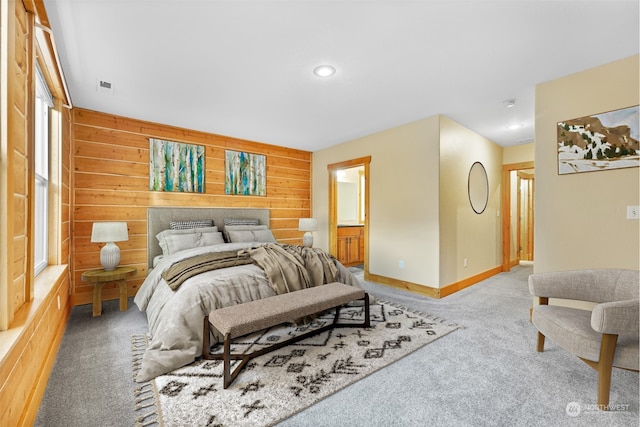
x: 282, y: 383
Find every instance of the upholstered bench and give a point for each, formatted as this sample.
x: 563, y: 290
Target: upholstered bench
x: 242, y: 319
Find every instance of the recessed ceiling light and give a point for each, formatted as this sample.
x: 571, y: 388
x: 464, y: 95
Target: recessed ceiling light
x: 510, y: 103
x: 514, y: 127
x: 324, y: 71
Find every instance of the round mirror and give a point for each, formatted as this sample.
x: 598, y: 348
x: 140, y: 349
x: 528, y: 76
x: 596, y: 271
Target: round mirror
x: 478, y: 186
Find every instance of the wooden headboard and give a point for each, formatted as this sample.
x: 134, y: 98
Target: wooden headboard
x: 158, y: 219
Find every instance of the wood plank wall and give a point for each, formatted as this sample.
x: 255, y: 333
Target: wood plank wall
x: 18, y: 134
x: 37, y: 310
x: 111, y: 183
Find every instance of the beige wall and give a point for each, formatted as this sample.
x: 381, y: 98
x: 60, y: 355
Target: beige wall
x: 403, y: 198
x: 518, y: 153
x: 464, y: 233
x: 419, y: 206
x: 581, y: 218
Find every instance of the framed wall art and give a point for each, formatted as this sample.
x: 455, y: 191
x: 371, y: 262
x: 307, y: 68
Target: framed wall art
x: 176, y: 166
x: 602, y: 141
x: 245, y: 173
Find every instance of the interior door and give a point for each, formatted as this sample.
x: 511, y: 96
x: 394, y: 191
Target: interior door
x: 511, y: 226
x: 525, y: 215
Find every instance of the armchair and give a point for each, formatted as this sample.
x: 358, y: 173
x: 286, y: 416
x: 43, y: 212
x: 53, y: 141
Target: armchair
x: 603, y: 338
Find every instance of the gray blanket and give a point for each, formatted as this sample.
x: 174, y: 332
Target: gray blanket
x: 186, y: 268
x: 289, y: 268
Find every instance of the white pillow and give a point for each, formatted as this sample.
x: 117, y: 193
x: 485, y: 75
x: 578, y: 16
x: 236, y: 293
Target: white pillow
x: 172, y: 241
x: 168, y: 232
x: 161, y: 235
x: 214, y: 238
x: 261, y: 235
x: 178, y: 242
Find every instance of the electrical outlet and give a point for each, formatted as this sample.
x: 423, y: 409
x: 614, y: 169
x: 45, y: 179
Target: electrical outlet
x: 464, y: 262
x: 401, y: 263
x: 633, y: 212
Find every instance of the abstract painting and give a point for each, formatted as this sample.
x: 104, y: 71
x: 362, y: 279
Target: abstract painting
x: 245, y: 173
x: 599, y: 142
x: 175, y: 166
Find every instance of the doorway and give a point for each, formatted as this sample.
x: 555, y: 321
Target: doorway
x: 525, y: 182
x: 349, y: 211
x: 518, y: 189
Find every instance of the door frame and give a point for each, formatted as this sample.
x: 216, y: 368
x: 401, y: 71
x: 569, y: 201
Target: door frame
x: 333, y: 203
x: 506, y: 210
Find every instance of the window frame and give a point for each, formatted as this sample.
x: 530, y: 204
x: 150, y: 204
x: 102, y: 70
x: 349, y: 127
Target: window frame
x: 43, y: 101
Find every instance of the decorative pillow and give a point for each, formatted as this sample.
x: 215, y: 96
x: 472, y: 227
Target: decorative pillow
x: 241, y: 221
x: 179, y: 242
x: 245, y: 227
x: 189, y: 224
x: 164, y: 235
x: 262, y: 235
x: 237, y: 227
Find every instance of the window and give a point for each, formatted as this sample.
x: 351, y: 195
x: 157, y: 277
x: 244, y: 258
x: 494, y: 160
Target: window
x: 44, y: 101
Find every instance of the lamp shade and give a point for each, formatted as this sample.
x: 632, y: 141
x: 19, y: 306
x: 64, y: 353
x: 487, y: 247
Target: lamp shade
x: 109, y: 232
x: 308, y: 224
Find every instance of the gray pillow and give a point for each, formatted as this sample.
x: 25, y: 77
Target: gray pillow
x: 260, y: 235
x: 241, y: 227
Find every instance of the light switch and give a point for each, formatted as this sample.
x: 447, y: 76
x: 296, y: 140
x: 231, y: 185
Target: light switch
x: 633, y: 212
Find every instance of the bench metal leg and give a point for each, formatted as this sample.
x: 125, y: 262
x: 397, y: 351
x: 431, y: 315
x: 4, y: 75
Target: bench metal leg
x: 226, y: 359
x: 227, y: 356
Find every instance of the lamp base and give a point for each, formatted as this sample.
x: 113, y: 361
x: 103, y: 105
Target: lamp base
x: 307, y: 239
x: 110, y: 256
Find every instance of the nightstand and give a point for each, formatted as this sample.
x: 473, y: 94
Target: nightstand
x: 101, y: 277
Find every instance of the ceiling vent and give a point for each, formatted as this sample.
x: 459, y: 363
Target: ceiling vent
x: 105, y: 87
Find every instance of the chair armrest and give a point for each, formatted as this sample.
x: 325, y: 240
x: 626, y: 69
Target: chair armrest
x: 619, y: 317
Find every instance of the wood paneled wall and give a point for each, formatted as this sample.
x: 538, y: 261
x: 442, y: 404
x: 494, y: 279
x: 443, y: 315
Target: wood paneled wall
x: 19, y: 67
x: 34, y: 310
x: 111, y: 183
x: 65, y: 197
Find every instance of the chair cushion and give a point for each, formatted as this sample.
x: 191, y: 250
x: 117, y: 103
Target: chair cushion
x: 570, y: 328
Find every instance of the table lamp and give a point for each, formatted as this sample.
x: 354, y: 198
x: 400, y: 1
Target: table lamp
x: 109, y: 232
x: 308, y: 225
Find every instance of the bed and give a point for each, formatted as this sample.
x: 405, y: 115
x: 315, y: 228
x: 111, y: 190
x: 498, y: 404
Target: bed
x: 197, y: 267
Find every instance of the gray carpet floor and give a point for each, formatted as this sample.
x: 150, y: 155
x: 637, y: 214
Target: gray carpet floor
x: 486, y: 374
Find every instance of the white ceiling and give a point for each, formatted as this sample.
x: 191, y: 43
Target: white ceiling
x: 244, y: 68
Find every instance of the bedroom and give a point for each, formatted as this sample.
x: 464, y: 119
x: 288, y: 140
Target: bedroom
x: 119, y: 143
